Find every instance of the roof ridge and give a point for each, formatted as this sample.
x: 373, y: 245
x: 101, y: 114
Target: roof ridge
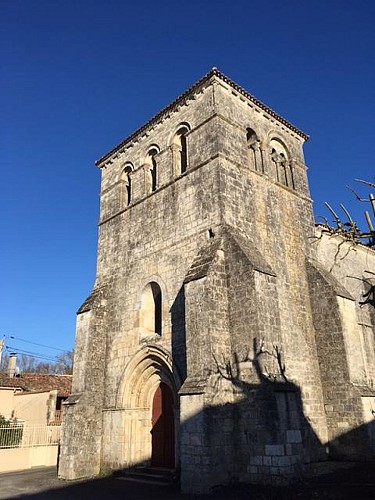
x: 214, y: 71
x: 158, y: 115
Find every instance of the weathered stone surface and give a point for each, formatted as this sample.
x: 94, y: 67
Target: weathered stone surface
x: 210, y: 283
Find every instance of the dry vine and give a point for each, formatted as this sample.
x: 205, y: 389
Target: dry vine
x: 347, y: 228
x: 369, y: 296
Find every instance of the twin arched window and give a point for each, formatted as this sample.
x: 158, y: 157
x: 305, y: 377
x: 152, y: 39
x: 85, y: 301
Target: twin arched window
x: 282, y: 168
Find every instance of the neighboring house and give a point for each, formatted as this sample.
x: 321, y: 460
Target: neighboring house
x: 31, y: 404
x: 34, y: 397
x: 219, y: 339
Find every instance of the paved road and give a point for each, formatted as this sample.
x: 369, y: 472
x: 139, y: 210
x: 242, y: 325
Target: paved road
x: 42, y: 483
x: 356, y: 482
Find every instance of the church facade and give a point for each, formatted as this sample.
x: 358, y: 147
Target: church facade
x: 219, y: 340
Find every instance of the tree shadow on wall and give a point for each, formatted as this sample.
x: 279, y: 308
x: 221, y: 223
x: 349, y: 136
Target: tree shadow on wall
x: 241, y: 444
x: 261, y: 436
x: 331, y: 481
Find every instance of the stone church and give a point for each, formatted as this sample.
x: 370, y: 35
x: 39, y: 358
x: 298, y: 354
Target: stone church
x: 223, y: 338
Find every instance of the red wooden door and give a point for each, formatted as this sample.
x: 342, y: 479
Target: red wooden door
x: 162, y: 431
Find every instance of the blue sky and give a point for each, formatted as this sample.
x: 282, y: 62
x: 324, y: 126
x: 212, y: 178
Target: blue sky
x: 79, y: 76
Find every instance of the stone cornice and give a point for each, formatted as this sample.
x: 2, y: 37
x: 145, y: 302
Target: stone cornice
x: 188, y: 95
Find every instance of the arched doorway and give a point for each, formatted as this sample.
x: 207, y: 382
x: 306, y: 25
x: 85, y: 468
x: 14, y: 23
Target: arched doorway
x: 148, y: 401
x: 162, y: 431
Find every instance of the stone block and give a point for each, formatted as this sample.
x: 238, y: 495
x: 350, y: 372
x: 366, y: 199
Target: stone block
x: 274, y: 449
x: 293, y: 436
x: 267, y: 460
x: 281, y: 461
x: 252, y: 469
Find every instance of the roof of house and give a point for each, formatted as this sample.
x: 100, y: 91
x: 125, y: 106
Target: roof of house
x: 186, y: 95
x: 39, y: 382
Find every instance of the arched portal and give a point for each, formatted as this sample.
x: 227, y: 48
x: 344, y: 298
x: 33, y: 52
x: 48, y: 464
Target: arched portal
x: 162, y: 431
x: 148, y: 396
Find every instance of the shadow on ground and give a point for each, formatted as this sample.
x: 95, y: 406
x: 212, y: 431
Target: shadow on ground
x: 331, y: 480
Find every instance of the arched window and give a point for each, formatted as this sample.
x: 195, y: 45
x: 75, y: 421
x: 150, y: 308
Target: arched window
x: 126, y: 185
x: 153, y: 168
x: 282, y: 167
x: 251, y: 137
x: 254, y: 154
x: 151, y: 310
x: 179, y: 141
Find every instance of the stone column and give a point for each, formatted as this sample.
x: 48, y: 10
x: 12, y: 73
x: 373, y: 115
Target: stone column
x: 258, y: 159
x: 266, y: 160
x: 176, y: 163
x: 292, y: 174
x: 146, y: 179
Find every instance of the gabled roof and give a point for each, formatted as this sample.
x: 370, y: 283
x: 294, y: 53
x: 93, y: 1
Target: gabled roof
x: 188, y: 94
x: 227, y: 237
x: 329, y: 278
x: 38, y: 382
x: 203, y: 260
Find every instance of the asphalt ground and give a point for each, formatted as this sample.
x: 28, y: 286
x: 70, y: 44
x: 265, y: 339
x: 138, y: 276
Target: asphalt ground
x: 341, y: 482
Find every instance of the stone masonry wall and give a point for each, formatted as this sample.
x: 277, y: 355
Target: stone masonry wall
x: 352, y: 266
x: 275, y: 218
x: 82, y: 426
x: 230, y: 245
x: 346, y: 331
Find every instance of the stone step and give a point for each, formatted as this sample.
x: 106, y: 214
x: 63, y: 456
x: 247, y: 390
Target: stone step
x: 142, y: 480
x: 150, y: 475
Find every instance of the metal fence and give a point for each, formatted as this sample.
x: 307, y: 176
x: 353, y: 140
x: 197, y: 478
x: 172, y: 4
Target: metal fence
x: 25, y: 435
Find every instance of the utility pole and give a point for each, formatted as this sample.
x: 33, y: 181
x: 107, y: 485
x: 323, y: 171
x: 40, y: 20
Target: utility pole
x: 1, y: 349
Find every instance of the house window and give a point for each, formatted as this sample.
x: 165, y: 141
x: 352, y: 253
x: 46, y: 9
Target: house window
x: 151, y: 310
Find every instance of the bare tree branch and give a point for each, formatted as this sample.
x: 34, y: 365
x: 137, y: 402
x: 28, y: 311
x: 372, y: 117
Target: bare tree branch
x: 368, y: 183
x: 349, y: 230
